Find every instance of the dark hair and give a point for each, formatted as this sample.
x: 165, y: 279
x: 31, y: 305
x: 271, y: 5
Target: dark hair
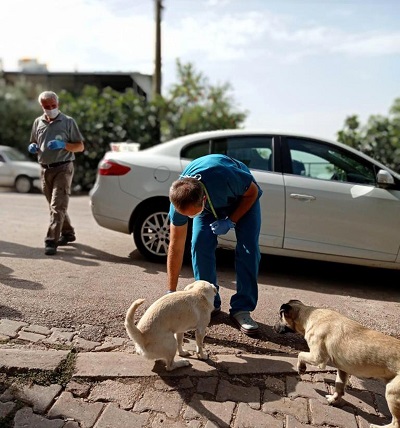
x: 186, y: 192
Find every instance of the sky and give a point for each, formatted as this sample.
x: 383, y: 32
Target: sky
x: 293, y: 65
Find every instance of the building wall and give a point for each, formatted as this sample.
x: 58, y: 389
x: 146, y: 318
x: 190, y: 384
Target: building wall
x: 74, y: 82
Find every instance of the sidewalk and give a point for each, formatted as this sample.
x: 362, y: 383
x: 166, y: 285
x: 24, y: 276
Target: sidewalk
x: 55, y: 378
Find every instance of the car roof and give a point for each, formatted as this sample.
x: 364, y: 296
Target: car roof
x: 166, y: 148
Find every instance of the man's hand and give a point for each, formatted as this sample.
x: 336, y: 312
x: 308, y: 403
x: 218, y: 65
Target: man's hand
x: 220, y: 227
x: 56, y: 145
x: 33, y: 148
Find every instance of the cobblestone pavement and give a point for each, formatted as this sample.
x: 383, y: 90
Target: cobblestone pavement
x: 56, y: 378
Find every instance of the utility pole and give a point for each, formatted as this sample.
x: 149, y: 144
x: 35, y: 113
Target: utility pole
x: 157, y: 68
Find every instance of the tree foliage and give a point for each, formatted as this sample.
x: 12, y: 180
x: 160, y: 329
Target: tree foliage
x: 16, y: 115
x: 378, y: 138
x: 194, y: 105
x: 105, y: 116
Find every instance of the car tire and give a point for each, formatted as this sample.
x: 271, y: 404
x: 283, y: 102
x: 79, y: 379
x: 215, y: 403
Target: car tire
x: 23, y: 184
x: 151, y: 233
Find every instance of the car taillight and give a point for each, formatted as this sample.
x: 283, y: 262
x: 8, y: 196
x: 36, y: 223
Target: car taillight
x: 107, y: 167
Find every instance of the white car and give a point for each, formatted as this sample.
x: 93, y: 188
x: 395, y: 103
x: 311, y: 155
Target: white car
x: 17, y: 171
x: 322, y: 200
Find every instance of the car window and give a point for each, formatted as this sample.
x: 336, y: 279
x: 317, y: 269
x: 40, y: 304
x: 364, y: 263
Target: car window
x: 316, y: 159
x: 196, y: 150
x: 1, y: 158
x: 255, y: 152
x: 15, y: 155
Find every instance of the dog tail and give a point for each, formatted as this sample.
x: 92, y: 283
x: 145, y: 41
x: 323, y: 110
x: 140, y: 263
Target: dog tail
x: 133, y: 332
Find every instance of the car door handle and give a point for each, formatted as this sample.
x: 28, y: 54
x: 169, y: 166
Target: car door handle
x: 305, y: 198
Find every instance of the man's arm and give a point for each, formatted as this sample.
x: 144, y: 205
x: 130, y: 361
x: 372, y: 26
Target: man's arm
x: 75, y: 147
x: 246, y: 202
x: 176, y: 250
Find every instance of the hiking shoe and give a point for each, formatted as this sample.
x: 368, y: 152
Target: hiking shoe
x: 50, y: 248
x: 245, y: 323
x: 64, y: 239
x: 215, y: 311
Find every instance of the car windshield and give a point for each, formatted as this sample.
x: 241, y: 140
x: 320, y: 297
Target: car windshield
x: 15, y: 155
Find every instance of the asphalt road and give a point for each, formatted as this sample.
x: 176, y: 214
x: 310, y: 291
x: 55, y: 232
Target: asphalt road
x: 91, y: 282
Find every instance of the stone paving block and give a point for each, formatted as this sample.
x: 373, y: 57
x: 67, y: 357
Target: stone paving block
x: 76, y: 408
x: 78, y: 389
x: 58, y: 337
x: 382, y: 405
x: 220, y: 413
x: 120, y: 364
x: 71, y: 424
x: 6, y: 408
x: 25, y: 418
x: 292, y: 422
x: 162, y: 421
x: 31, y: 337
x: 31, y: 360
x: 375, y: 386
x: 261, y: 364
x: 112, y: 364
x: 273, y: 404
x: 33, y: 328
x: 169, y: 403
x: 115, y: 392
x: 110, y: 343
x: 247, y: 417
x: 295, y: 389
x: 113, y: 417
x: 207, y: 385
x: 4, y: 338
x: 84, y: 345
x: 322, y: 414
x: 275, y: 385
x: 228, y: 391
x: 11, y: 328
x: 361, y: 400
x: 38, y: 396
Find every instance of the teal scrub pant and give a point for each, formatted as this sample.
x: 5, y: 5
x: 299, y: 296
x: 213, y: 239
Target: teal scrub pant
x: 247, y: 257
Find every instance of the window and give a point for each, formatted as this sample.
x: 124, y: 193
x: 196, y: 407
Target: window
x: 196, y: 150
x: 322, y: 161
x: 255, y: 152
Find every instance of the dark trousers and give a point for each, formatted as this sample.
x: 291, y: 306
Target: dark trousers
x: 56, y: 186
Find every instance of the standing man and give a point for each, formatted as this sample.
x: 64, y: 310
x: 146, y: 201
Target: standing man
x: 220, y: 194
x: 55, y: 138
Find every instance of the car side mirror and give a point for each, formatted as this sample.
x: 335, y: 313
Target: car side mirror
x: 384, y: 178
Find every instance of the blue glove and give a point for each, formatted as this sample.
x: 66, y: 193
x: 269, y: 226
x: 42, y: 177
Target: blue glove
x: 220, y: 227
x: 56, y: 145
x: 33, y: 148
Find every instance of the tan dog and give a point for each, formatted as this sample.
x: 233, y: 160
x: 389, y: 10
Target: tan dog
x: 159, y: 333
x: 349, y: 346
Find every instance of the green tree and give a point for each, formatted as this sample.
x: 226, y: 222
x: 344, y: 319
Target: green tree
x: 103, y: 117
x: 17, y: 113
x: 378, y: 138
x: 193, y: 105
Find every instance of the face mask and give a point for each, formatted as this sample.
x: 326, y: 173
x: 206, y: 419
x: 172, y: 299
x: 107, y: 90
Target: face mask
x: 52, y: 113
x: 202, y: 209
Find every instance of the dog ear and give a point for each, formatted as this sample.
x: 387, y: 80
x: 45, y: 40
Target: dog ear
x: 285, y: 309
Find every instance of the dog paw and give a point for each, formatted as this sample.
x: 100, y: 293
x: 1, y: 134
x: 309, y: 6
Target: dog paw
x: 301, y: 368
x: 177, y: 364
x: 184, y: 353
x: 332, y: 399
x: 202, y: 355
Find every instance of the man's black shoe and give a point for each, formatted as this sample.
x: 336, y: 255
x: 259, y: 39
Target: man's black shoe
x: 64, y: 239
x: 50, y: 248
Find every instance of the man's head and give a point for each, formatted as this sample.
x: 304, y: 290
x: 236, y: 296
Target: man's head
x: 49, y: 102
x: 187, y: 196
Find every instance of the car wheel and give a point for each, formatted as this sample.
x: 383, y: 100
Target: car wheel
x: 151, y: 232
x: 23, y: 184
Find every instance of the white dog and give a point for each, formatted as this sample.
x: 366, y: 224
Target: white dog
x: 159, y: 333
